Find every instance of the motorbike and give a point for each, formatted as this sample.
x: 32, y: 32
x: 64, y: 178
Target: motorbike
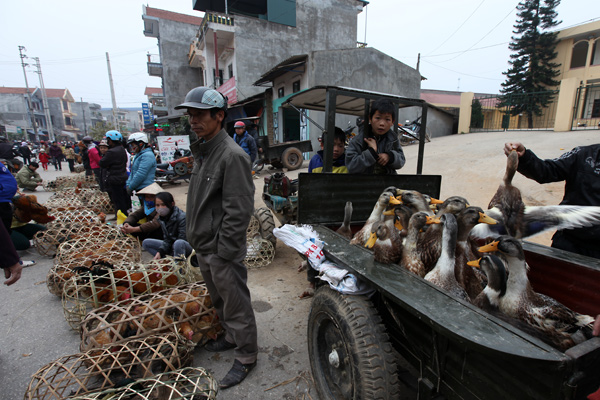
x: 13, y: 165
x: 174, y: 171
x: 410, y: 132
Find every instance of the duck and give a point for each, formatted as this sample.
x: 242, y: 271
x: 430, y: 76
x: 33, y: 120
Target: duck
x: 385, y: 199
x: 470, y: 279
x: 521, y: 221
x: 416, y: 200
x: 344, y: 229
x: 385, y: 241
x: 442, y: 275
x: 495, y: 271
x: 411, y: 259
x: 431, y: 241
x: 560, y: 325
x: 401, y: 214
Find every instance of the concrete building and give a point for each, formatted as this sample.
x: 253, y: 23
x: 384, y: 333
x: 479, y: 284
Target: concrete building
x: 88, y: 115
x: 174, y: 32
x: 234, y: 50
x: 128, y: 120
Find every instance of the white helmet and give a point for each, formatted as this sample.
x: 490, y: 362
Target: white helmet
x: 138, y: 137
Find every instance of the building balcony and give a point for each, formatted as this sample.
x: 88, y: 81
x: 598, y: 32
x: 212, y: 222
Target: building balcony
x: 195, y: 57
x: 160, y: 111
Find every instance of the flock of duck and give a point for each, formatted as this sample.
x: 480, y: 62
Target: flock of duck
x: 437, y: 240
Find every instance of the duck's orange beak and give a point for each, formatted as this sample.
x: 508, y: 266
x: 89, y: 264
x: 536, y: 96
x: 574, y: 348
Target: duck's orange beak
x: 486, y: 219
x: 371, y: 242
x: 398, y: 224
x: 389, y: 212
x: 435, y: 201
x: 490, y: 247
x: 432, y: 220
x: 474, y: 263
x: 394, y: 200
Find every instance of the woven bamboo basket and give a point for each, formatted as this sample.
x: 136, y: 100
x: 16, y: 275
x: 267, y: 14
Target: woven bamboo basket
x: 105, y: 283
x: 57, y: 232
x: 71, y: 181
x: 260, y: 252
x: 186, y: 309
x: 59, y: 274
x: 78, y: 215
x: 184, y: 384
x: 76, y: 197
x: 88, y: 246
x: 100, y: 369
x: 79, y: 168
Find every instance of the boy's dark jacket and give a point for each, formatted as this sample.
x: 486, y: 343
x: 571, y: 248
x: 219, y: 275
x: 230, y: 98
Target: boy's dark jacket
x: 360, y: 158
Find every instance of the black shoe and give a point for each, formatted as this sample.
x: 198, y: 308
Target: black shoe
x: 236, y: 374
x: 219, y: 345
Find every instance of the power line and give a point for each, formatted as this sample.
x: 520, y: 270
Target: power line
x: 462, y: 73
x: 466, y: 51
x: 457, y: 29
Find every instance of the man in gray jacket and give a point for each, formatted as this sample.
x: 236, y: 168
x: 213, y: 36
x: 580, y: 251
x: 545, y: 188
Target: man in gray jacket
x: 220, y: 204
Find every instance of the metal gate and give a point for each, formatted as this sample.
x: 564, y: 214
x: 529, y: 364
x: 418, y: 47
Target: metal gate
x: 494, y: 112
x: 586, y: 110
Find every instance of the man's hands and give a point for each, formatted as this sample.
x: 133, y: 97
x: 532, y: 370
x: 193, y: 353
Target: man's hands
x: 510, y: 146
x: 126, y: 228
x: 12, y: 274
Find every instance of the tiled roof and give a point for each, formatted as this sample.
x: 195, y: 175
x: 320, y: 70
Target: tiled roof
x: 14, y: 90
x: 441, y: 98
x: 55, y: 93
x: 173, y: 16
x: 152, y: 90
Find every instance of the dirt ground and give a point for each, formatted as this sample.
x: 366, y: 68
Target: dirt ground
x: 472, y: 165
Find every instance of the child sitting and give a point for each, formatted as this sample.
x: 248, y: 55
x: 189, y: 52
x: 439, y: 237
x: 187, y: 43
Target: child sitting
x: 376, y: 149
x: 339, y: 159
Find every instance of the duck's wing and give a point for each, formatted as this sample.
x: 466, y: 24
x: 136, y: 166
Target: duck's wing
x: 539, y: 219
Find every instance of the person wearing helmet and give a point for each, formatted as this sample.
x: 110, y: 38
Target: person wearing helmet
x: 114, y: 164
x: 94, y: 156
x: 6, y: 149
x: 244, y: 140
x: 219, y: 206
x: 143, y: 166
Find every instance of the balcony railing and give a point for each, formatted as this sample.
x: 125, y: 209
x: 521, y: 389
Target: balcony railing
x: 214, y: 18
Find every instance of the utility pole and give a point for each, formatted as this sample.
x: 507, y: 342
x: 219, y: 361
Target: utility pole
x: 112, y: 93
x: 45, y: 99
x: 418, y: 61
x: 30, y: 104
x: 84, y: 124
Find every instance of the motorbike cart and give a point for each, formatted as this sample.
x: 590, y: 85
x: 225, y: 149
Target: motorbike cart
x: 174, y: 171
x: 280, y: 195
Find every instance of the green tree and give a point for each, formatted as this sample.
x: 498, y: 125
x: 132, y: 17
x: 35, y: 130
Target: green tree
x: 98, y: 131
x: 532, y: 68
x: 476, y: 114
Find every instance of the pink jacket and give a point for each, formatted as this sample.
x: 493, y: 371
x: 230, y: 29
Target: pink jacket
x: 94, y: 158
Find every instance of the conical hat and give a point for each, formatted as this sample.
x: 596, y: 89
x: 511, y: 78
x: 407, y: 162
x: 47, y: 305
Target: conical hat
x: 153, y: 188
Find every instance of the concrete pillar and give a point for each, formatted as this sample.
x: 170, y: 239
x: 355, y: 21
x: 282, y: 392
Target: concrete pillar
x: 565, y: 104
x: 464, y: 116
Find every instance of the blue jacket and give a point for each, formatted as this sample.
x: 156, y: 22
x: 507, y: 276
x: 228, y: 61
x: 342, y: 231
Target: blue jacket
x: 247, y: 143
x: 8, y: 184
x: 143, y: 170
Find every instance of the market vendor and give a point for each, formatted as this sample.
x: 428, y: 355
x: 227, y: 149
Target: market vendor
x: 143, y: 222
x: 28, y: 178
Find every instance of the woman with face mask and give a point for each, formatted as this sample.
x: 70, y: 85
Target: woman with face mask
x: 143, y: 223
x: 172, y: 223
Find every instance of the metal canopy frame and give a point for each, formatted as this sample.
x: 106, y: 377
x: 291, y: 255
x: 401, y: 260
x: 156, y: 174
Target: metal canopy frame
x: 350, y: 101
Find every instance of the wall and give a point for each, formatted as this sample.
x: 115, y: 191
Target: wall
x: 174, y: 43
x: 13, y: 110
x: 260, y: 45
x: 364, y: 68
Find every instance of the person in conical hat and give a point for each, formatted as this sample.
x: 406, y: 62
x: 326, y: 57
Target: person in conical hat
x: 143, y: 223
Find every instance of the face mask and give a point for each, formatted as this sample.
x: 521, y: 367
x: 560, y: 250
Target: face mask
x: 148, y: 207
x: 163, y: 211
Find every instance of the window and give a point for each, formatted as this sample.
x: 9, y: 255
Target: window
x: 65, y: 105
x: 230, y: 68
x: 296, y: 87
x: 596, y: 109
x: 218, y: 79
x: 68, y: 121
x: 280, y: 92
x: 579, y: 56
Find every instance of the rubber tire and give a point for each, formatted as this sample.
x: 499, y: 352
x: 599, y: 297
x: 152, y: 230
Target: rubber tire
x: 258, y: 165
x: 292, y: 158
x: 266, y: 224
x: 352, y: 327
x: 181, y: 168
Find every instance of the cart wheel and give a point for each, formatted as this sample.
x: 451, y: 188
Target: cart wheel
x: 266, y: 224
x: 350, y: 354
x: 291, y: 158
x: 258, y: 165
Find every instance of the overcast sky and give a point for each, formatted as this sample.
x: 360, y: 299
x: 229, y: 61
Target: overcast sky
x: 463, y: 43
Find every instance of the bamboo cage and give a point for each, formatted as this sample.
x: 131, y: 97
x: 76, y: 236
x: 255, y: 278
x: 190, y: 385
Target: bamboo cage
x: 59, y: 274
x: 105, y: 283
x: 100, y: 369
x: 79, y: 168
x: 186, y: 309
x: 88, y: 246
x: 260, y: 252
x: 76, y: 197
x: 184, y: 384
x: 57, y: 232
x: 71, y: 181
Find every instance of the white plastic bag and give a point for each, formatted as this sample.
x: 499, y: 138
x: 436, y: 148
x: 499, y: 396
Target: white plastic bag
x: 305, y: 240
